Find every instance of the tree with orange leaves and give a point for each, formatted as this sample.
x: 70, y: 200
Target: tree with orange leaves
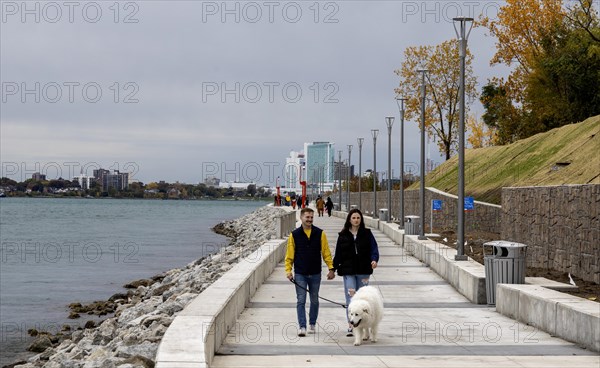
x: 480, y: 135
x: 555, y: 50
x: 519, y: 29
x: 441, y: 106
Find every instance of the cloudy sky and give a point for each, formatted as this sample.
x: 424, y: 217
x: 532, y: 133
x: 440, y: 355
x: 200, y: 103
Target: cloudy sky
x: 178, y: 90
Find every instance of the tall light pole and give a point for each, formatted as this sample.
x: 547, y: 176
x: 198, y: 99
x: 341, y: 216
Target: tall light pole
x: 360, y: 143
x: 340, y: 178
x: 400, y: 102
x: 389, y: 121
x: 422, y: 184
x: 374, y: 133
x: 462, y: 35
x: 348, y: 178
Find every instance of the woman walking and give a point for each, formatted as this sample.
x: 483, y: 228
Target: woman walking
x: 356, y: 255
x: 329, y: 206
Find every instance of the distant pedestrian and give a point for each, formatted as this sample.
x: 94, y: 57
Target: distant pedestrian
x: 305, y: 247
x: 320, y: 206
x: 329, y: 206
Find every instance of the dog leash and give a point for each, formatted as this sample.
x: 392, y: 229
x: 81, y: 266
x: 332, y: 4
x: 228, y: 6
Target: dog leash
x: 320, y: 297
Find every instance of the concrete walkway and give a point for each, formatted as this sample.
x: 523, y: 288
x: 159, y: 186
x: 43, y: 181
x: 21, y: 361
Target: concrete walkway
x: 427, y: 323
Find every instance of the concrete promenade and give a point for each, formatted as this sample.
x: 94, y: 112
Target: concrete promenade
x: 427, y: 323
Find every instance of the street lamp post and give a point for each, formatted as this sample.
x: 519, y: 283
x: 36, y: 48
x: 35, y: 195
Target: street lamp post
x: 462, y: 35
x: 389, y: 121
x: 374, y: 133
x: 340, y: 178
x: 360, y: 143
x: 348, y: 179
x: 422, y: 184
x: 400, y: 102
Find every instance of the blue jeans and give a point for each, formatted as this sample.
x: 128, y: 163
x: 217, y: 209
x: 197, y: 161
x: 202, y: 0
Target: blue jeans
x: 313, y: 282
x: 354, y: 282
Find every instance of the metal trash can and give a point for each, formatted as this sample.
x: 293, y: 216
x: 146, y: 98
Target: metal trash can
x: 411, y: 225
x: 383, y: 214
x: 506, y: 264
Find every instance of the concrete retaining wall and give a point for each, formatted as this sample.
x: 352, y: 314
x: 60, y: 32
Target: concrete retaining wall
x: 199, y: 330
x: 568, y: 317
x: 560, y: 225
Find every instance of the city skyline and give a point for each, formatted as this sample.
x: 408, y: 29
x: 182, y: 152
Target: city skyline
x: 222, y: 87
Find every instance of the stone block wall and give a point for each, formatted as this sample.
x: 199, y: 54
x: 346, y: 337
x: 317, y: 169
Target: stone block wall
x: 560, y: 225
x: 485, y: 216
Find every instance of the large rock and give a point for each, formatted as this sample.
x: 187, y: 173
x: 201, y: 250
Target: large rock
x: 40, y: 344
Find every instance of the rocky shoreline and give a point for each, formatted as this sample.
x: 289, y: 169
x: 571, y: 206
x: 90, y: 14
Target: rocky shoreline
x: 140, y: 317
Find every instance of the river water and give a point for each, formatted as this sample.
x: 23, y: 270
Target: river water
x: 57, y: 251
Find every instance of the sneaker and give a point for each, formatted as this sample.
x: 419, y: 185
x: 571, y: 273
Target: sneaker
x: 311, y: 329
x: 302, y: 332
x: 349, y: 333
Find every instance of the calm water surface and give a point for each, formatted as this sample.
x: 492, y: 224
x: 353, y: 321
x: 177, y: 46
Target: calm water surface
x: 57, y: 251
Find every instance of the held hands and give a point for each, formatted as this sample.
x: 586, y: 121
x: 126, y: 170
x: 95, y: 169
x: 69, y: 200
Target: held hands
x: 330, y: 275
x: 373, y: 264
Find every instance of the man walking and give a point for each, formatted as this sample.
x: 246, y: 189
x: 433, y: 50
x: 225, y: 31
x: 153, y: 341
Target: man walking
x: 305, y: 248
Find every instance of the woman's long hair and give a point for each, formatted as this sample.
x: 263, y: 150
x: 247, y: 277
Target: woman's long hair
x: 348, y: 225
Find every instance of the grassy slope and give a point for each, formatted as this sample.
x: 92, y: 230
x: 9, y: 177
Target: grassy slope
x: 528, y: 162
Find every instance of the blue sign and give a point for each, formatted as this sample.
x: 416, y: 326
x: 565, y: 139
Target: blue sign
x: 436, y: 204
x: 469, y: 204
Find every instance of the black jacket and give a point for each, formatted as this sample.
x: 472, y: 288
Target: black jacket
x: 307, y: 256
x: 354, y: 257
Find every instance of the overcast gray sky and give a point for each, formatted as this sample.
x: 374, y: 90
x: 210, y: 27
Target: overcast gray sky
x: 177, y: 90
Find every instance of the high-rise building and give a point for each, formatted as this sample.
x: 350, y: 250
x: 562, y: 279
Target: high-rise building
x: 319, y: 162
x: 293, y: 165
x: 116, y: 179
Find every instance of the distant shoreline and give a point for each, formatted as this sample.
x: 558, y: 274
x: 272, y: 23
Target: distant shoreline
x: 147, y: 199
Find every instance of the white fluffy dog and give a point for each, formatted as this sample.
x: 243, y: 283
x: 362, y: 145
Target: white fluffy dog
x: 365, y: 312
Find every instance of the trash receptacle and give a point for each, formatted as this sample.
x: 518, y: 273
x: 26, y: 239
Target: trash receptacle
x: 383, y: 214
x: 506, y: 264
x: 411, y: 225
x: 352, y: 207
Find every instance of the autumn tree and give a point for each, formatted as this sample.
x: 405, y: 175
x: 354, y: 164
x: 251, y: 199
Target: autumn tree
x: 479, y: 134
x: 442, y: 96
x: 501, y: 114
x: 555, y: 60
x: 564, y: 86
x: 519, y: 29
x: 583, y: 15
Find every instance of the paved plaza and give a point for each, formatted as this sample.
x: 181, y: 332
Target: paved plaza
x: 427, y: 323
